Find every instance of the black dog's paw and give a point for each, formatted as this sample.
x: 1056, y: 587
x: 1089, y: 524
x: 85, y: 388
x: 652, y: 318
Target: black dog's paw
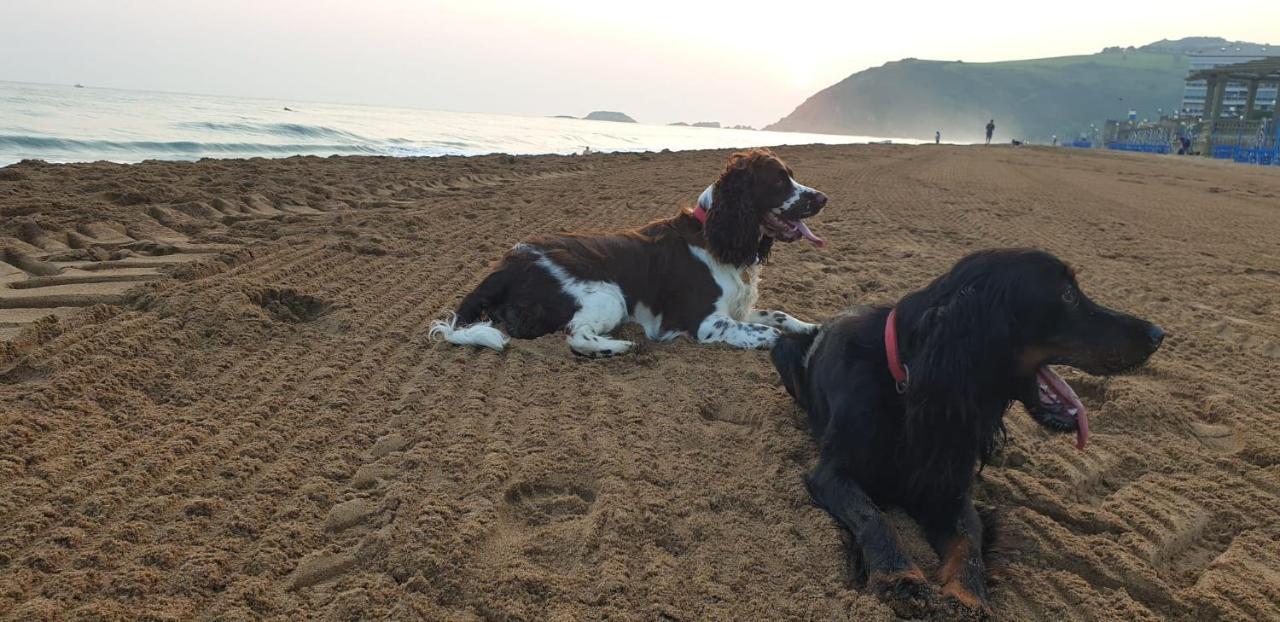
x: 906, y: 592
x: 962, y: 604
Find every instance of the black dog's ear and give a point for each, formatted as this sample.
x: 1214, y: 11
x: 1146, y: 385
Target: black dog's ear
x: 733, y: 226
x: 958, y: 357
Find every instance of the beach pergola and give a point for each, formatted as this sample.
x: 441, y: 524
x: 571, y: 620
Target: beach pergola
x: 1251, y: 73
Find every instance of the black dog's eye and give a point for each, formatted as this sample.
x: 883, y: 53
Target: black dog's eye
x: 1069, y: 296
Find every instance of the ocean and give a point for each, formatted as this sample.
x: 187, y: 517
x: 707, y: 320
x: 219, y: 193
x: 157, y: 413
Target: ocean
x: 70, y: 124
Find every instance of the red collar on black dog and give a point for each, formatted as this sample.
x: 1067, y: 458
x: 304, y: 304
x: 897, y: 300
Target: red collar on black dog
x: 897, y: 369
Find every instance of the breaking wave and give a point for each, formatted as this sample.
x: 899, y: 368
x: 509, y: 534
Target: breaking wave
x: 69, y: 148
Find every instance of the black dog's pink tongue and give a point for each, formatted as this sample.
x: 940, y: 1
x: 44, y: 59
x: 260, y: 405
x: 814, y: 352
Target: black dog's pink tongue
x: 1054, y: 385
x: 808, y: 235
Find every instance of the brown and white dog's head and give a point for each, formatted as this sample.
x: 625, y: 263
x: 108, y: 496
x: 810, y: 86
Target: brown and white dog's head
x: 757, y: 200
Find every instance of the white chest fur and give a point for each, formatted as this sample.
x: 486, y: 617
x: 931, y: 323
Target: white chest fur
x: 737, y: 285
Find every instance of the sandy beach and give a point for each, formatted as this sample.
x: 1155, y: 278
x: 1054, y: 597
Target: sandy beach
x: 218, y: 400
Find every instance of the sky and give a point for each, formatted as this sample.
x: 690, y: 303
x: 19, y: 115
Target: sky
x: 657, y: 60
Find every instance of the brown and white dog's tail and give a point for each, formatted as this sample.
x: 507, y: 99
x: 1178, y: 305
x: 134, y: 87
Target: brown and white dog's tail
x: 479, y: 334
x: 464, y: 329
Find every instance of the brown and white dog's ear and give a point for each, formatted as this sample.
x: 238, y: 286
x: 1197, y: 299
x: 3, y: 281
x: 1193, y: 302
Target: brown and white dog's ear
x: 733, y: 225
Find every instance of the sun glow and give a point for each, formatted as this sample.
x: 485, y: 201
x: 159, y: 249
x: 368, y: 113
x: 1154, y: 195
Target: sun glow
x: 744, y: 61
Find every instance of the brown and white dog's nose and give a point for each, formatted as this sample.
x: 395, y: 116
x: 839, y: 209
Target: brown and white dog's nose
x: 812, y: 203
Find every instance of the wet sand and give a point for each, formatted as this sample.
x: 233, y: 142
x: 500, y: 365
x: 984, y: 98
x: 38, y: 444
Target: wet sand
x: 217, y: 398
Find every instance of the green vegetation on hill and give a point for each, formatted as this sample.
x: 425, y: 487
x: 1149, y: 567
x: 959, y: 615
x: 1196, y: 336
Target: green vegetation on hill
x: 1029, y: 99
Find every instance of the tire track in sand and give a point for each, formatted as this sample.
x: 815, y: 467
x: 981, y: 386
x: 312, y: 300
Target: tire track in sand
x: 220, y: 405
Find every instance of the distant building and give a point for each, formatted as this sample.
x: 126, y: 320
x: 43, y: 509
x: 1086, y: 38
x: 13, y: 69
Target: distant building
x: 1237, y: 93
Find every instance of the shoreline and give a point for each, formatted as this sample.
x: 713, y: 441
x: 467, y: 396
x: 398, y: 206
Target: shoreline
x: 496, y: 154
x: 1168, y: 158
x: 374, y: 154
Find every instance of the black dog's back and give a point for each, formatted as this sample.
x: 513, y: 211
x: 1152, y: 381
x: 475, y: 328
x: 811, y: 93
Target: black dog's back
x: 788, y: 358
x: 842, y: 345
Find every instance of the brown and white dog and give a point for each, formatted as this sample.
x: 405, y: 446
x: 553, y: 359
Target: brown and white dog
x: 693, y: 275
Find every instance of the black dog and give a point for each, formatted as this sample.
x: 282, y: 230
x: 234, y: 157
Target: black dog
x: 906, y: 402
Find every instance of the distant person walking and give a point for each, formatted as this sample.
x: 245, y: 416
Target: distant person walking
x: 991, y: 129
x: 937, y: 137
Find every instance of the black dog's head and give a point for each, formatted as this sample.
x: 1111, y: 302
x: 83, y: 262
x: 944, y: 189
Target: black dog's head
x: 986, y: 333
x: 755, y: 201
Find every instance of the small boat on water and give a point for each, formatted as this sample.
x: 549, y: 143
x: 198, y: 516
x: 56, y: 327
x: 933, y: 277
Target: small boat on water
x: 79, y: 86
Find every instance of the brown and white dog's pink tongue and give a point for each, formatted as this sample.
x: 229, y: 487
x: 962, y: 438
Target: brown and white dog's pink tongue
x: 808, y: 235
x: 1054, y: 389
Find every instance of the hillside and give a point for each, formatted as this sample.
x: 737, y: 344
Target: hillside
x: 1029, y: 99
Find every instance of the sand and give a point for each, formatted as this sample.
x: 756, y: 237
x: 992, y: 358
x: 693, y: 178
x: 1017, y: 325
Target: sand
x: 217, y: 398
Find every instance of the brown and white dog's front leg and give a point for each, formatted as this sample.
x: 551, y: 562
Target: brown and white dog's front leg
x: 780, y: 321
x: 724, y: 329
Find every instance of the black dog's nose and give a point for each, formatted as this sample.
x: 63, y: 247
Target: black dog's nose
x: 819, y: 201
x: 1156, y: 335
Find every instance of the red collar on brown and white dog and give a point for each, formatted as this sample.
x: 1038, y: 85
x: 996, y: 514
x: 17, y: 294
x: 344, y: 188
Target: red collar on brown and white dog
x: 700, y: 213
x: 897, y: 369
x: 704, y: 203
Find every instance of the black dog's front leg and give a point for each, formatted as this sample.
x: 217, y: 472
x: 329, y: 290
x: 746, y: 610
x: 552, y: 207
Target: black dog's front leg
x: 958, y: 541
x: 890, y: 572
